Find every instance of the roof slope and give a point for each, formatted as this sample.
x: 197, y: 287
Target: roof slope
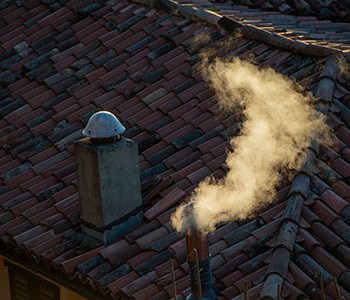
x: 301, y: 27
x: 60, y: 62
x: 337, y: 10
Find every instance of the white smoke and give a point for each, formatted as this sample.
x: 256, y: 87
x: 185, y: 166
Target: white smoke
x: 279, y: 123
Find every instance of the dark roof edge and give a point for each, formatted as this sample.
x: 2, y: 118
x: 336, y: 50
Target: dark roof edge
x: 58, y: 278
x: 248, y: 31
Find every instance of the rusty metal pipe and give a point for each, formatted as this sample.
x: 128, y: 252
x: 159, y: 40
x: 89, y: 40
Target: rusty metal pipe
x: 198, y: 258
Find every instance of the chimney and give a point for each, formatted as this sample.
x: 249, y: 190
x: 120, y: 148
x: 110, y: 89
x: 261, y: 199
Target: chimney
x: 108, y: 179
x: 198, y: 258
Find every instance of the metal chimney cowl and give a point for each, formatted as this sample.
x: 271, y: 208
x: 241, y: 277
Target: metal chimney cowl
x: 108, y: 179
x: 103, y: 124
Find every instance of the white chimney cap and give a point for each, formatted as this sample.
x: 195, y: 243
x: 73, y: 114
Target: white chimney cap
x: 103, y: 124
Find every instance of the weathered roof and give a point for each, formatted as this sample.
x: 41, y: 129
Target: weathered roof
x: 63, y: 61
x: 299, y: 27
x: 336, y: 10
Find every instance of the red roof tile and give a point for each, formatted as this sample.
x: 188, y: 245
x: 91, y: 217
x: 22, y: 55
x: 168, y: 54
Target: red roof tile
x: 173, y: 197
x: 118, y: 284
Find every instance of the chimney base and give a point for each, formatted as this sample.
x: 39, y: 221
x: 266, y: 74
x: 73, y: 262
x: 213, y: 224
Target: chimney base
x: 111, y: 233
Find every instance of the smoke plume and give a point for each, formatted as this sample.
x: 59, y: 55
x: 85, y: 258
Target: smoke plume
x: 279, y: 124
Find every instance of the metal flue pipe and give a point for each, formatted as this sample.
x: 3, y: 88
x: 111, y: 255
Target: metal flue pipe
x: 198, y: 258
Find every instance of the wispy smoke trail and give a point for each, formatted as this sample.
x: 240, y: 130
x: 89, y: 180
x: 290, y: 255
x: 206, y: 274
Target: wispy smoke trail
x: 279, y: 124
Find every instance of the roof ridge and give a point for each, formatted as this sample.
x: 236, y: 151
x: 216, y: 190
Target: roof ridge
x: 299, y: 191
x: 232, y: 25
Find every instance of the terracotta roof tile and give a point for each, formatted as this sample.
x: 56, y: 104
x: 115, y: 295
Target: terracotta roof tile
x: 124, y: 251
x: 20, y: 228
x: 331, y: 264
x: 9, y: 165
x: 21, y: 207
x: 116, y: 285
x: 147, y: 240
x: 64, y: 170
x: 140, y: 258
x: 342, y: 189
x: 44, y: 215
x: 46, y: 164
x: 334, y: 201
x: 62, y: 226
x: 29, y: 234
x: 237, y: 248
x: 50, y: 243
x: 12, y: 223
x: 323, y: 211
x: 38, y: 240
x: 7, y: 195
x: 341, y: 167
x: 53, y: 252
x: 182, y: 285
x: 343, y: 133
x: 173, y: 197
x: 189, y: 159
x: 341, y: 228
x: 37, y: 209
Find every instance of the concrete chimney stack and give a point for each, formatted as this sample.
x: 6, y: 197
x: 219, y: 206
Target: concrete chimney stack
x: 108, y: 178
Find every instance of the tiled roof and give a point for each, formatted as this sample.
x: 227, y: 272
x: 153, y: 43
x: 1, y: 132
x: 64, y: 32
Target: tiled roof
x: 336, y: 10
x: 63, y: 61
x: 301, y: 27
